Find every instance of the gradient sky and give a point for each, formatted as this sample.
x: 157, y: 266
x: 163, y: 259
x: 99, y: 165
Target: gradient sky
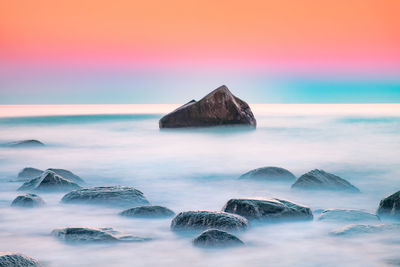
x: 297, y: 51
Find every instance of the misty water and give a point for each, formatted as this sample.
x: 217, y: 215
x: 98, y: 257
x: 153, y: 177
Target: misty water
x: 198, y: 169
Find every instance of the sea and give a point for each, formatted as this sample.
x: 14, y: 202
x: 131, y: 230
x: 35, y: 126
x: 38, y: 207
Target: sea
x: 198, y: 169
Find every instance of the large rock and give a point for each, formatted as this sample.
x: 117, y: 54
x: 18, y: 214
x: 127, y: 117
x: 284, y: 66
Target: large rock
x: 148, y: 212
x: 356, y: 229
x: 270, y: 174
x: 49, y: 181
x: 220, y: 107
x: 319, y: 179
x: 202, y: 220
x: 390, y: 206
x: 90, y: 235
x: 107, y: 195
x: 28, y: 201
x: 215, y: 238
x: 68, y: 175
x: 9, y: 259
x: 346, y: 215
x: 27, y: 174
x: 268, y: 209
x: 25, y: 143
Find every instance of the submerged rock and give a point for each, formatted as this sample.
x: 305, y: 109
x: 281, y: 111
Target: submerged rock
x: 107, y: 195
x: 390, y: 206
x: 268, y: 209
x: 345, y: 215
x: 27, y: 174
x: 25, y: 143
x: 220, y: 107
x: 270, y: 174
x: 49, y: 181
x: 148, y: 212
x: 202, y: 220
x: 9, y: 259
x: 89, y: 235
x: 355, y: 229
x: 215, y: 238
x: 28, y: 201
x: 319, y: 179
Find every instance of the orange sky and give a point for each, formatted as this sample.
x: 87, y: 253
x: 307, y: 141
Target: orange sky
x: 340, y: 32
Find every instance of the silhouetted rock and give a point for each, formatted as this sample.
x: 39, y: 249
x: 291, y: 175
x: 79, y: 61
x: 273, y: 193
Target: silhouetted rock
x: 49, y: 181
x: 202, y: 220
x: 107, y: 195
x: 28, y: 201
x: 270, y: 174
x: 220, y: 107
x: 9, y: 259
x: 25, y: 143
x: 390, y: 206
x: 355, y: 229
x: 319, y: 179
x: 215, y: 238
x: 345, y: 215
x: 27, y: 174
x: 89, y: 235
x: 148, y: 212
x: 268, y: 209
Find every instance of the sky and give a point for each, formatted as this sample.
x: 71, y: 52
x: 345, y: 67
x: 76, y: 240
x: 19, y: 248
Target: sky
x: 266, y: 51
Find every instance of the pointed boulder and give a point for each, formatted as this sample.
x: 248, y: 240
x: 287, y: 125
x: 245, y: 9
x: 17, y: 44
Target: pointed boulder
x: 220, y: 107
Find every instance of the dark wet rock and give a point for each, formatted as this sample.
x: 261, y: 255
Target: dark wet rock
x: 347, y: 215
x: 49, y: 181
x: 28, y: 201
x: 68, y: 175
x: 215, y: 238
x: 148, y: 212
x: 27, y: 174
x: 25, y: 143
x: 107, y: 195
x: 220, y: 107
x: 390, y: 206
x: 319, y: 179
x: 202, y: 220
x: 9, y: 259
x: 356, y: 229
x: 268, y: 209
x: 271, y: 174
x: 90, y: 235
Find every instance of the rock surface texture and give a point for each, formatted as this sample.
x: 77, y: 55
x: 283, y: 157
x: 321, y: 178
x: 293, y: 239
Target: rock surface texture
x: 107, y: 195
x: 272, y: 174
x: 148, y: 212
x: 390, y: 206
x: 28, y: 201
x: 9, y: 259
x: 202, y: 220
x: 345, y: 215
x: 220, y: 107
x: 268, y: 209
x: 216, y: 239
x: 49, y: 181
x: 321, y: 180
x: 89, y: 235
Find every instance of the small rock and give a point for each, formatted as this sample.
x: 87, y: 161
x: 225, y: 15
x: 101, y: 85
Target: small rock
x: 319, y: 179
x: 90, y: 235
x: 49, y: 181
x: 268, y: 209
x: 28, y: 201
x: 68, y: 175
x: 390, y: 206
x: 215, y: 238
x: 202, y: 220
x: 344, y: 215
x: 220, y: 107
x: 148, y: 212
x: 9, y: 259
x: 107, y: 195
x: 27, y: 174
x: 25, y: 143
x: 270, y: 174
x: 355, y: 229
